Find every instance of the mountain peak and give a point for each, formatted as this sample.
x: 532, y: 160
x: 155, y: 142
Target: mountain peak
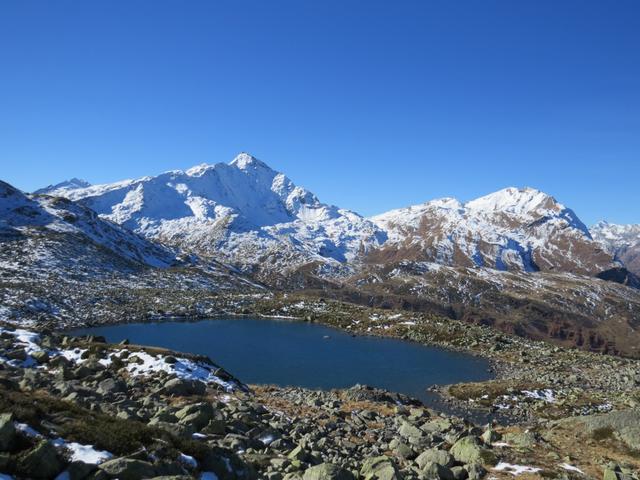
x: 244, y: 161
x: 515, y: 200
x: 198, y: 170
x: 71, y: 184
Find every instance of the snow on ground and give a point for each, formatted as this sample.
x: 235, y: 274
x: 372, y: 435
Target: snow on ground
x: 83, y: 453
x: 25, y: 338
x: 182, y: 368
x: 547, y: 395
x: 515, y: 470
x: 570, y: 468
x: 27, y: 430
x: 143, y: 364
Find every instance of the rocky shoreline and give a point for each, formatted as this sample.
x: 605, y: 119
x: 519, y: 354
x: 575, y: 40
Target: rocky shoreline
x: 140, y: 412
x: 184, y: 417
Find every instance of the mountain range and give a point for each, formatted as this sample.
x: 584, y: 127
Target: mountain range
x: 517, y: 258
x: 253, y: 217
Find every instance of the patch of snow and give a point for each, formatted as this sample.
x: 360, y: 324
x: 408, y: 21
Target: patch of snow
x: 571, y: 468
x: 547, y: 395
x: 27, y: 430
x: 83, y: 453
x: 515, y: 470
x: 182, y: 368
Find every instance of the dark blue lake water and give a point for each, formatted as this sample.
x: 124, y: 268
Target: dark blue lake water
x: 284, y: 352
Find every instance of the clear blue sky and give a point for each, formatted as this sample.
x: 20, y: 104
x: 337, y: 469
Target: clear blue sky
x: 370, y: 104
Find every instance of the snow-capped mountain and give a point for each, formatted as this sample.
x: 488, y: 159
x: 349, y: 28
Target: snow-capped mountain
x: 59, y: 261
x: 512, y: 229
x: 623, y: 241
x: 71, y: 184
x: 243, y: 212
x: 22, y: 216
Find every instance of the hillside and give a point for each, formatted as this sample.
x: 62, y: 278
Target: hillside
x: 59, y: 261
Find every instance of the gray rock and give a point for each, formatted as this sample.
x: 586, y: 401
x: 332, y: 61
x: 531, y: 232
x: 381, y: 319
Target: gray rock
x: 111, y: 385
x: 475, y: 471
x: 403, y: 450
x: 197, y: 415
x: 469, y: 450
x: 624, y: 424
x: 7, y: 432
x: 434, y: 470
x: 40, y: 356
x: 41, y: 462
x: 521, y: 440
x: 184, y: 388
x: 379, y: 468
x: 80, y: 470
x: 298, y: 453
x: 490, y: 436
x: 459, y: 473
x: 410, y: 432
x: 441, y: 457
x: 128, y: 469
x: 327, y: 471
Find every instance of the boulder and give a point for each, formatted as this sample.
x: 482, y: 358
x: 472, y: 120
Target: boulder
x: 197, y: 415
x: 80, y: 470
x: 379, y: 468
x: 459, y: 473
x: 475, y: 471
x: 436, y: 471
x: 521, y: 439
x: 469, y: 450
x: 490, y: 435
x: 111, y: 385
x: 441, y: 457
x: 41, y: 462
x: 40, y: 356
x: 225, y: 464
x: 7, y: 432
x: 327, y: 471
x: 624, y: 425
x: 410, y: 432
x: 183, y: 388
x: 298, y: 453
x: 128, y: 469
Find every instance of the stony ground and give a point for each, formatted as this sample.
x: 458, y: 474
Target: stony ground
x: 83, y: 409
x: 80, y: 408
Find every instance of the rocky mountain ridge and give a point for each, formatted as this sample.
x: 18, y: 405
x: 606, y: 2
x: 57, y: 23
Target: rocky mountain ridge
x: 512, y: 229
x: 243, y: 213
x: 622, y: 241
x: 247, y: 214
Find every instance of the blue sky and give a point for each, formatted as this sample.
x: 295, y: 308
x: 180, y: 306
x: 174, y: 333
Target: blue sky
x: 370, y: 104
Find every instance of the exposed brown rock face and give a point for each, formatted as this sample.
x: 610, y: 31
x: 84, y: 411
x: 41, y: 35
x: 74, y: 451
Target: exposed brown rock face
x: 566, y: 309
x: 514, y: 230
